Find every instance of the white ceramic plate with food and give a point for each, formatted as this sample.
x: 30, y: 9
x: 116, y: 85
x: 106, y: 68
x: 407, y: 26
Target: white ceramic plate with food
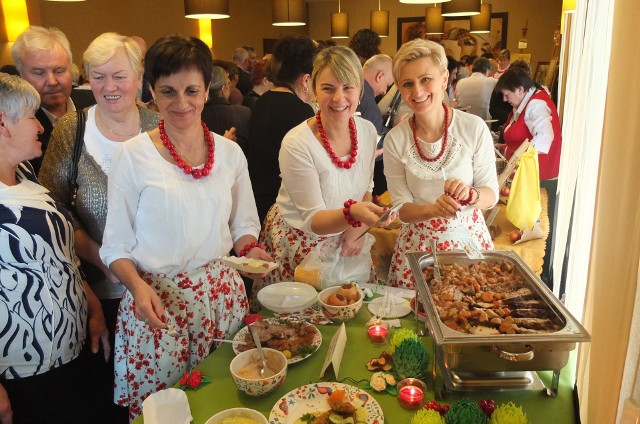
x: 399, y: 308
x: 287, y: 297
x: 301, y: 347
x: 312, y: 399
x: 230, y: 414
x: 253, y: 266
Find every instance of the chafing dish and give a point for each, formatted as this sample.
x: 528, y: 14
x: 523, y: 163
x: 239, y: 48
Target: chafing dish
x: 500, y: 361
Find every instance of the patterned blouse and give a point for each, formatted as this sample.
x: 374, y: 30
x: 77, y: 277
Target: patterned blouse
x: 43, y: 305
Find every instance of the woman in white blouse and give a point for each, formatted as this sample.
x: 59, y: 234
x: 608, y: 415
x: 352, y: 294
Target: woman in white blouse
x: 179, y: 198
x: 439, y: 163
x: 326, y: 165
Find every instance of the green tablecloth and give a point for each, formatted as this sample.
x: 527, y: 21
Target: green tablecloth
x: 222, y: 393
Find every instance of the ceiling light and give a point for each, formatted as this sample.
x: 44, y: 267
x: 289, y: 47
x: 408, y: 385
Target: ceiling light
x: 288, y: 12
x: 434, y: 21
x: 461, y: 8
x: 380, y: 21
x: 339, y: 24
x: 206, y: 9
x: 481, y: 24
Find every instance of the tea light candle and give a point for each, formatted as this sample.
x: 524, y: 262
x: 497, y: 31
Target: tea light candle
x: 378, y: 332
x: 411, y: 393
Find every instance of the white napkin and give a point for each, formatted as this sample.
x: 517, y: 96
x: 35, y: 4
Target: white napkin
x: 169, y: 406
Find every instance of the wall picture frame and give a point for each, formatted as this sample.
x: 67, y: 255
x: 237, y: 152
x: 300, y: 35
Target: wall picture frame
x: 457, y: 40
x: 542, y: 70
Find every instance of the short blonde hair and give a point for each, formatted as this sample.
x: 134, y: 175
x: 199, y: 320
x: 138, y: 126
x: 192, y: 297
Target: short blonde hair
x: 417, y: 49
x: 342, y: 61
x: 106, y: 45
x: 39, y: 39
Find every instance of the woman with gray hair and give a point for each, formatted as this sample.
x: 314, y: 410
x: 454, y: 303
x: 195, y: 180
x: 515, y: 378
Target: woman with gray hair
x: 113, y: 64
x: 439, y: 163
x: 45, y: 306
x: 326, y: 163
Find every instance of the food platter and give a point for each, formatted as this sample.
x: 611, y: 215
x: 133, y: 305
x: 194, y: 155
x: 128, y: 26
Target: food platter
x: 422, y: 316
x: 245, y: 336
x: 253, y: 266
x: 313, y: 398
x: 399, y: 308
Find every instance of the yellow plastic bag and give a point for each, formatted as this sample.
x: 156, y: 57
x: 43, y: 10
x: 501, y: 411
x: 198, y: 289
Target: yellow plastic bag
x: 523, y: 206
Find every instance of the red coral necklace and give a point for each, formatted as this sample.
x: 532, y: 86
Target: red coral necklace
x: 444, y: 138
x: 327, y: 146
x: 195, y: 173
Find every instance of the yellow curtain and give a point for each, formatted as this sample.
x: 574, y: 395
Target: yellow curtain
x: 613, y: 269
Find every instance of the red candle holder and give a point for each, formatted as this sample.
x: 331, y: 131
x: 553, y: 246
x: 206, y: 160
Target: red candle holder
x: 411, y: 393
x: 378, y: 332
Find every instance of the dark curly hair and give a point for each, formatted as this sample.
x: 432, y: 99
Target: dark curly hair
x: 365, y: 43
x: 292, y: 57
x: 174, y: 53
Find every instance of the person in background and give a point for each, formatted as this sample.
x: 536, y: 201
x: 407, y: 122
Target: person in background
x: 220, y: 115
x: 242, y: 59
x: 534, y: 117
x: 468, y: 63
x: 259, y: 82
x: 290, y: 70
x: 252, y: 57
x: 46, y: 309
x: 233, y: 72
x: 476, y: 90
x: 365, y: 43
x: 504, y: 60
x: 175, y: 281
x: 43, y: 57
x: 377, y: 78
x: 439, y: 163
x: 498, y: 108
x: 327, y: 172
x: 113, y: 63
x: 453, y: 67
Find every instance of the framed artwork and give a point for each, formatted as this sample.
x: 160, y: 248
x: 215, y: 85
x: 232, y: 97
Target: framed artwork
x: 542, y: 70
x: 521, y: 56
x: 457, y: 40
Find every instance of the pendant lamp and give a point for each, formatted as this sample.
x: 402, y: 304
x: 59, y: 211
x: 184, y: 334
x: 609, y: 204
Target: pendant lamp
x: 16, y: 18
x: 380, y: 21
x: 481, y: 24
x: 206, y: 9
x: 434, y: 21
x: 288, y: 12
x: 461, y: 8
x: 423, y: 1
x: 339, y: 24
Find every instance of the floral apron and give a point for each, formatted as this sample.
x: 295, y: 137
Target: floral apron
x: 208, y: 302
x: 415, y: 237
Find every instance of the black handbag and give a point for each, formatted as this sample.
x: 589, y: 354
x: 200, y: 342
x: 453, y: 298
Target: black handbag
x: 77, y: 150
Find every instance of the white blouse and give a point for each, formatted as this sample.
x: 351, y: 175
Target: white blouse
x: 166, y: 221
x: 469, y: 156
x: 311, y: 182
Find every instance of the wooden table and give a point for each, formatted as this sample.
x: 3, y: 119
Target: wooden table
x: 532, y: 251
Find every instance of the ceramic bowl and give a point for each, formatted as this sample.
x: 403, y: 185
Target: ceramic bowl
x: 259, y: 386
x: 339, y: 313
x: 238, y: 412
x: 287, y: 297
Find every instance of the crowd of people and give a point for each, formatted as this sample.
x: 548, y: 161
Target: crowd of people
x: 119, y: 196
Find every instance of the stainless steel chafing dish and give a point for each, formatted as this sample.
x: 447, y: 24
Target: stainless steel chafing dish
x: 500, y: 361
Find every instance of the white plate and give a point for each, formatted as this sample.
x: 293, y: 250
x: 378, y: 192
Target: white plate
x: 244, y: 335
x: 399, y: 308
x: 255, y: 266
x: 313, y: 398
x: 287, y: 297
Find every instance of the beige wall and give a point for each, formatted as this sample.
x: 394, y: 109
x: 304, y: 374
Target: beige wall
x: 250, y: 22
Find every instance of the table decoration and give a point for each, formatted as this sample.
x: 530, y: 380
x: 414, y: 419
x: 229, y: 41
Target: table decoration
x: 193, y: 380
x: 335, y: 352
x: 401, y: 335
x: 465, y: 411
x: 411, y: 393
x: 427, y: 416
x: 378, y: 332
x: 381, y: 363
x: 383, y: 382
x: 410, y: 359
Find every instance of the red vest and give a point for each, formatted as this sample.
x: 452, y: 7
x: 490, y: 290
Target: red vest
x: 518, y: 132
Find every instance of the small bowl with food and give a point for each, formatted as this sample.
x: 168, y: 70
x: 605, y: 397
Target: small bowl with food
x: 238, y: 416
x: 245, y: 371
x: 341, y: 303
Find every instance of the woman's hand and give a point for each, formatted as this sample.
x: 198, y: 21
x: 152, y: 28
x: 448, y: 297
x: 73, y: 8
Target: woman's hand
x: 231, y: 134
x: 351, y: 246
x: 98, y: 332
x: 148, y: 307
x: 457, y: 190
x: 6, y: 414
x: 444, y: 207
x: 369, y: 213
x: 256, y: 253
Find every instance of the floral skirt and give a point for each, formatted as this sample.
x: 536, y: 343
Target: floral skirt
x: 287, y: 246
x: 206, y: 303
x: 415, y: 237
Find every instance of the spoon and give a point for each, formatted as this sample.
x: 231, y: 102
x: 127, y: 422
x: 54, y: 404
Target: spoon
x: 256, y: 340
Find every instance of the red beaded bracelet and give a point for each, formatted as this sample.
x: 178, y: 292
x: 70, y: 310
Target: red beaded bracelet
x: 248, y: 247
x: 347, y: 213
x: 467, y: 201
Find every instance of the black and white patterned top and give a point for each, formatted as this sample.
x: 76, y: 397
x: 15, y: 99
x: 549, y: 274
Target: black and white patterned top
x: 43, y: 305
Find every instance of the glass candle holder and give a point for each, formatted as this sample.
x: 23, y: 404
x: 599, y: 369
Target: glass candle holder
x: 411, y: 393
x: 378, y: 332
